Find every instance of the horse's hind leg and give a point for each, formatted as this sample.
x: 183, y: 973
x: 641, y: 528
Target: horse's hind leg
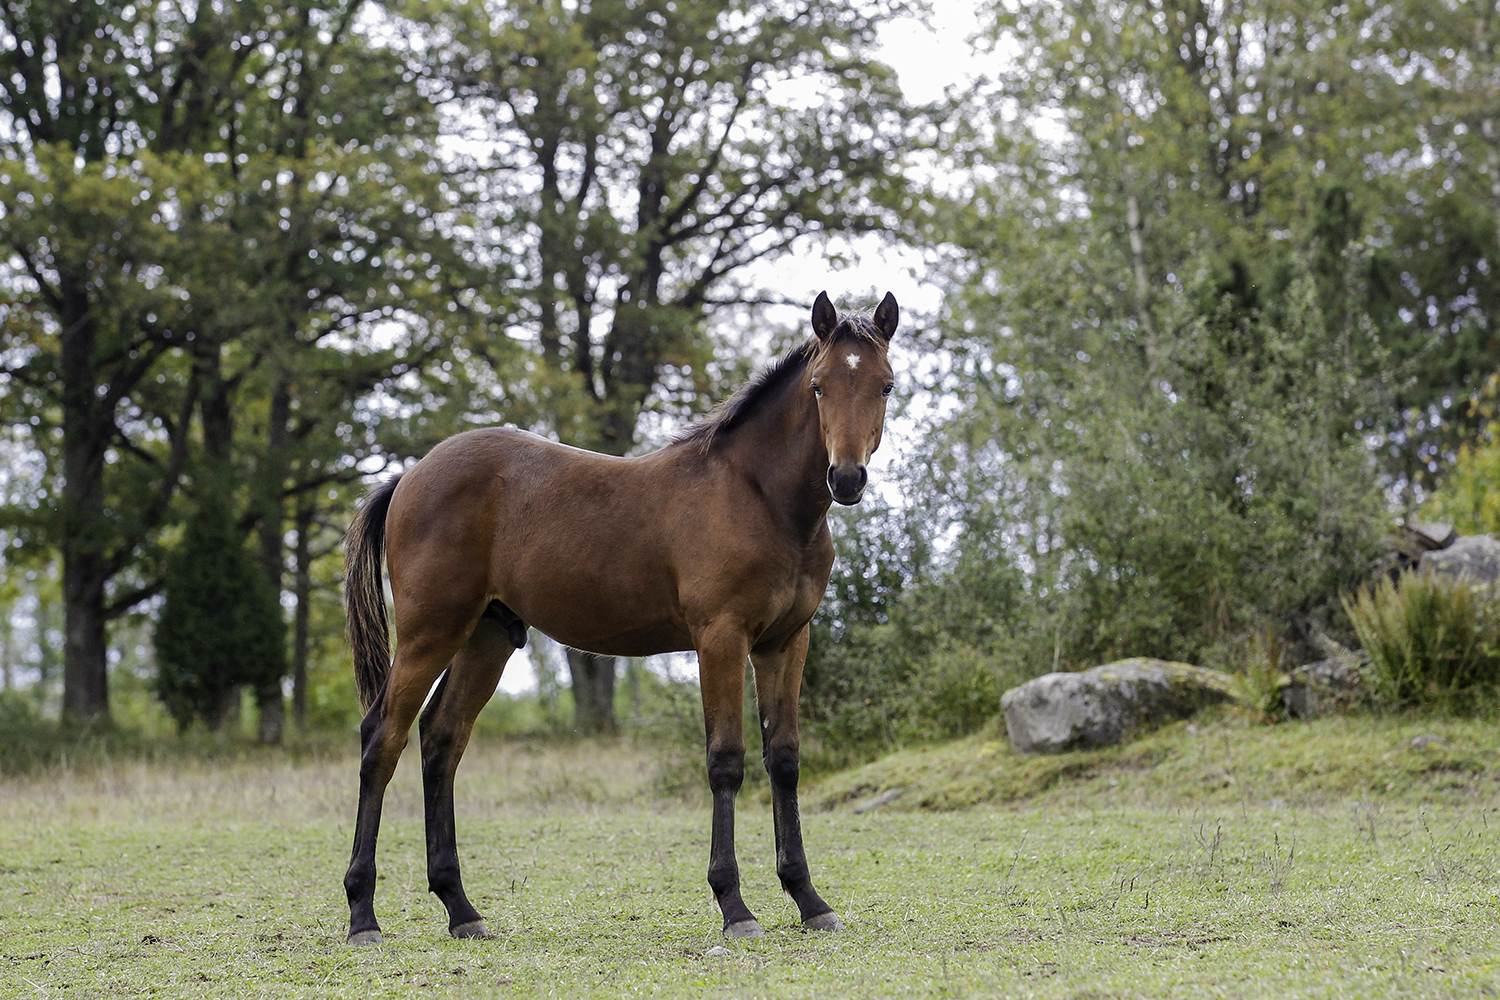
x: 778, y: 681
x: 383, y: 736
x: 446, y: 724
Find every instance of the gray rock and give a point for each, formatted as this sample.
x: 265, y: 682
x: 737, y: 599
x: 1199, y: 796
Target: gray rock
x: 1435, y: 534
x: 1109, y: 704
x: 1475, y: 558
x: 885, y: 798
x: 1423, y: 742
x: 1328, y: 687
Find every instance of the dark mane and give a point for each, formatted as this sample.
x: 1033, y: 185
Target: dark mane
x: 732, y: 412
x: 737, y: 408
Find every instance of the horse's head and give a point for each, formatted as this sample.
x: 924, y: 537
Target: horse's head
x: 851, y: 378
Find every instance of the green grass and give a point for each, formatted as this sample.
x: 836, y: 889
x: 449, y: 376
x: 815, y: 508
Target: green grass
x: 1216, y: 760
x: 1235, y: 861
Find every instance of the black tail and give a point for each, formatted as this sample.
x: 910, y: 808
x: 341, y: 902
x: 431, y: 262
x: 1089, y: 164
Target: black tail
x: 366, y: 624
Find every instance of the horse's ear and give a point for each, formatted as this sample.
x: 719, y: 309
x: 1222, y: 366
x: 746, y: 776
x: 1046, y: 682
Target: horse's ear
x: 887, y: 315
x: 825, y: 318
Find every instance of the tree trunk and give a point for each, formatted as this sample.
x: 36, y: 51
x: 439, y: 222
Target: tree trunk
x: 593, y: 693
x: 302, y: 587
x: 7, y: 683
x: 85, y: 563
x: 271, y: 722
x: 85, y: 656
x: 268, y: 695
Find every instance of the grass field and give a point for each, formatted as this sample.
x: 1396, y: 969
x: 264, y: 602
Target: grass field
x: 1215, y: 860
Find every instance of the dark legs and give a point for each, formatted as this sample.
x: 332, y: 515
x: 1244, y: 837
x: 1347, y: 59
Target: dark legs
x: 446, y: 724
x: 721, y: 675
x: 778, y: 682
x: 383, y: 733
x: 374, y: 774
x: 382, y: 738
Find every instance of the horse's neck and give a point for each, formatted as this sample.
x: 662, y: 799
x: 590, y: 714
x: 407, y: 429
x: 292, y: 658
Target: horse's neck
x: 780, y: 448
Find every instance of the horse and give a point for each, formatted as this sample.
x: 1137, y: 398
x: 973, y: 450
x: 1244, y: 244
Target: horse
x: 716, y: 543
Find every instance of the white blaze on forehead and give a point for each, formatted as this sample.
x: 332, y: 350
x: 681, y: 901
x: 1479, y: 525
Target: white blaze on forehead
x: 852, y: 361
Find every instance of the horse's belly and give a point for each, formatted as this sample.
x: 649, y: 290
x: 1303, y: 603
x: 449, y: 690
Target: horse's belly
x: 621, y: 614
x: 613, y: 638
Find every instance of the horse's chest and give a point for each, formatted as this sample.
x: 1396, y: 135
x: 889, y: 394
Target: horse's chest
x: 792, y: 595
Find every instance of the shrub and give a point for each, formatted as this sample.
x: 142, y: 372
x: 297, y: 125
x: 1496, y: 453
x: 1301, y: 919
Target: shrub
x: 220, y: 624
x: 1430, y: 640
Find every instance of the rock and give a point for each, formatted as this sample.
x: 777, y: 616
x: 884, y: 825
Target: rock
x: 1436, y: 534
x: 1414, y: 540
x: 1328, y: 687
x: 1423, y: 742
x: 885, y: 798
x: 1109, y: 704
x: 717, y: 951
x: 1475, y: 558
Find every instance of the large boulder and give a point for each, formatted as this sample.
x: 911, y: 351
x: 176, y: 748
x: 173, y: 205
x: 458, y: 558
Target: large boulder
x: 1109, y: 704
x: 1475, y: 558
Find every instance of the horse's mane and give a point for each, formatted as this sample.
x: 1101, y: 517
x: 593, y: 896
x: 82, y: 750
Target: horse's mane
x: 738, y: 408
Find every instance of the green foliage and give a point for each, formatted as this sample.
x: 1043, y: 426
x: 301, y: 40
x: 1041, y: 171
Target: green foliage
x: 220, y: 625
x: 1468, y: 496
x: 908, y: 647
x: 1167, y: 336
x: 1259, y: 660
x: 204, y: 228
x: 1430, y: 641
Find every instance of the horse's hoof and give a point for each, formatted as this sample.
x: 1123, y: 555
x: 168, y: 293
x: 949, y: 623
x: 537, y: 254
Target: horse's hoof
x: 823, y: 922
x: 744, y: 929
x: 474, y: 929
x: 365, y: 938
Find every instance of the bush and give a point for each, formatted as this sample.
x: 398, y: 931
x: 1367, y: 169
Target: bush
x: 220, y: 624
x: 1430, y: 640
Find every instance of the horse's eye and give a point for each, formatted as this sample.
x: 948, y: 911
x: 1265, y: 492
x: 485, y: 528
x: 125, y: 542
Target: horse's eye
x: 887, y: 390
x: 817, y: 389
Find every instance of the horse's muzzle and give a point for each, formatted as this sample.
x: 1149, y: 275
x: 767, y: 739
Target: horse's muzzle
x: 846, y: 482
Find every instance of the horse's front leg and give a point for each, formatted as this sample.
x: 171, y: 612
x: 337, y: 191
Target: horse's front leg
x: 721, y: 677
x: 778, y: 683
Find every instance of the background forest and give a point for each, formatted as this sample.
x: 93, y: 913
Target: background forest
x: 1216, y: 307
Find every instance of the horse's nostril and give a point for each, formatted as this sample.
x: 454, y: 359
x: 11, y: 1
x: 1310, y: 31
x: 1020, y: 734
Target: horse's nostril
x: 847, y: 482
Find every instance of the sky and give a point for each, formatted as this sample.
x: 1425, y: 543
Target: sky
x: 927, y: 58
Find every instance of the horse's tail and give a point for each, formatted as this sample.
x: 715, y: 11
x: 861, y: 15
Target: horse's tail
x: 364, y: 597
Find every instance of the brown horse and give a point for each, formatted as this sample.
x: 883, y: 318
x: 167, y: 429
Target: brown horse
x: 717, y: 543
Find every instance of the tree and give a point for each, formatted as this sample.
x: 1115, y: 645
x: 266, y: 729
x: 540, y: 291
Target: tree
x: 220, y: 625
x: 205, y: 217
x: 1168, y: 329
x: 645, y: 155
x: 88, y: 237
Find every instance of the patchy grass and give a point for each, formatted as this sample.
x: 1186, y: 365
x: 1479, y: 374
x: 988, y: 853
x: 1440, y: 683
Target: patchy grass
x: 1228, y: 861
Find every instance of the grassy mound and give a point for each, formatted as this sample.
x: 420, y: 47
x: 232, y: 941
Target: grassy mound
x: 1217, y: 758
